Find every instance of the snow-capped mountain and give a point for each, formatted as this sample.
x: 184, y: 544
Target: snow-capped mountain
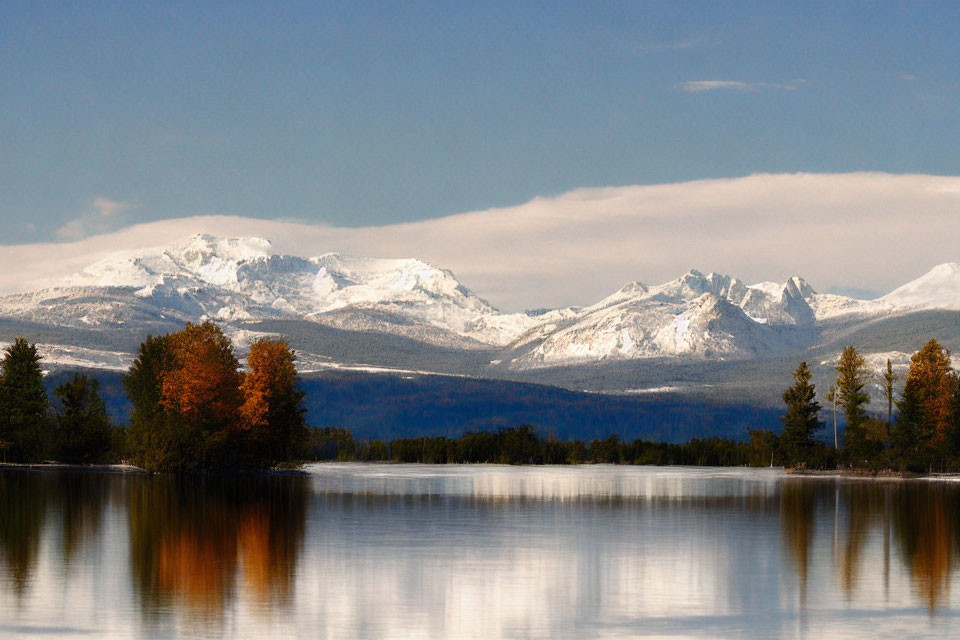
x: 701, y: 315
x: 939, y: 288
x: 239, y: 280
x: 244, y: 285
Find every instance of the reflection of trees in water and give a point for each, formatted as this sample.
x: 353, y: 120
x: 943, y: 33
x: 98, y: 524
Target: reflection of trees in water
x: 191, y: 539
x: 864, y: 504
x: 797, y: 503
x: 32, y: 500
x: 924, y: 516
x: 23, y: 512
x: 81, y: 499
x: 925, y: 526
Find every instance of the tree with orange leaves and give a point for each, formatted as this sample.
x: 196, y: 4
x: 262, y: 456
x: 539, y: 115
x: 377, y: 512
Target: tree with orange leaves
x: 272, y: 412
x: 185, y: 388
x: 926, y: 408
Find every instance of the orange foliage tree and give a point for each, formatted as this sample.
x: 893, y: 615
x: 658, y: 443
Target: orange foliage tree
x: 272, y: 411
x: 927, y: 407
x: 194, y: 409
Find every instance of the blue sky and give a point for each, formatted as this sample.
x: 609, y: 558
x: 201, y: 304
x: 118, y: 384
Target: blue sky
x: 360, y: 114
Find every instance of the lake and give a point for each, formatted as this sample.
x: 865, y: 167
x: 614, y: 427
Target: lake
x: 485, y: 551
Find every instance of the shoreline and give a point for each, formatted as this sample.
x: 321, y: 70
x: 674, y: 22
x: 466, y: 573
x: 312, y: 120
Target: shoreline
x: 298, y: 470
x: 129, y: 469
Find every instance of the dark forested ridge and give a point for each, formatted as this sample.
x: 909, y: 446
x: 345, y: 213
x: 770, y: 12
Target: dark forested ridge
x: 387, y: 406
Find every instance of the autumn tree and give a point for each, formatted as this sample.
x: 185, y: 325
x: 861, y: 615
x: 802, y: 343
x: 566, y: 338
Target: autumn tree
x: 801, y: 421
x: 272, y: 413
x: 24, y: 423
x: 185, y: 388
x: 925, y: 411
x: 851, y: 380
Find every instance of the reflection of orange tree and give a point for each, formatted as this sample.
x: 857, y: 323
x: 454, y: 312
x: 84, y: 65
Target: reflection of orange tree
x: 926, y: 525
x: 188, y: 540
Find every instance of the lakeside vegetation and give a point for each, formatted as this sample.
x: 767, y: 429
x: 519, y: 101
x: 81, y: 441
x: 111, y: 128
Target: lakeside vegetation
x: 194, y: 409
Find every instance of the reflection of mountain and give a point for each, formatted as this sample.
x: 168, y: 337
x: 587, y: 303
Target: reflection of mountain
x: 192, y: 540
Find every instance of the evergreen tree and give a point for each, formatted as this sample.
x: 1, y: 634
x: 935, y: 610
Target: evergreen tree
x: 148, y: 421
x: 82, y: 428
x: 801, y: 421
x: 888, y: 379
x: 851, y: 380
x: 24, y: 422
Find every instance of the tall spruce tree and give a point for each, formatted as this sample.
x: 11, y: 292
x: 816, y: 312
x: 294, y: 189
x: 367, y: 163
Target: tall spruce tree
x: 24, y: 420
x: 888, y: 379
x: 82, y: 427
x: 148, y: 419
x: 851, y: 380
x: 801, y: 421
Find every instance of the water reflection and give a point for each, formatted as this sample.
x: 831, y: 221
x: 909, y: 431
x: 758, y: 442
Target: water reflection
x: 402, y: 551
x: 192, y: 540
x: 23, y: 511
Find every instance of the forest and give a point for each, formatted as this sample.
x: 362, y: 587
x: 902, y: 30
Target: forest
x: 195, y: 409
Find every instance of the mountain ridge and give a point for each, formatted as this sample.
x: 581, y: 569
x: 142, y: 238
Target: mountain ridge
x: 241, y: 283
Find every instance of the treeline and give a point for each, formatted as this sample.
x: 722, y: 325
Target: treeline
x: 920, y: 432
x: 193, y: 408
x: 522, y: 445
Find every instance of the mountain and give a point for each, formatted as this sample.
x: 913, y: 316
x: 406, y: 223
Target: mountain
x: 939, y: 288
x: 699, y: 331
x: 239, y: 280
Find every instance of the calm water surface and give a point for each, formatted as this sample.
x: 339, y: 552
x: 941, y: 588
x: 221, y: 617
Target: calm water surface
x: 418, y: 551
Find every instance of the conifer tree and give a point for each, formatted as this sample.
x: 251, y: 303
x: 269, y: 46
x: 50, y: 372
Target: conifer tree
x: 148, y: 420
x: 82, y: 426
x: 851, y: 380
x: 888, y: 379
x: 24, y: 421
x: 801, y: 421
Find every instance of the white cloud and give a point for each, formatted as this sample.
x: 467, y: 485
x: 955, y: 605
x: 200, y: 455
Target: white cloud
x: 104, y: 215
x: 698, y: 86
x: 860, y: 230
x: 694, y: 86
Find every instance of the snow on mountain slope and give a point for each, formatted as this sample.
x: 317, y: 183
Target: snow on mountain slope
x: 707, y: 316
x: 239, y: 280
x: 939, y: 288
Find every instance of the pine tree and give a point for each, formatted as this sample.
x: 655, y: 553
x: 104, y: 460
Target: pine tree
x: 888, y: 379
x: 851, y: 380
x: 82, y: 427
x: 148, y: 420
x: 801, y: 421
x: 24, y: 420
